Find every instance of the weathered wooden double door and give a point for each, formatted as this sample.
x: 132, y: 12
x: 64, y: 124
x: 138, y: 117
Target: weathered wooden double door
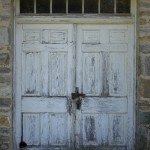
x: 55, y: 60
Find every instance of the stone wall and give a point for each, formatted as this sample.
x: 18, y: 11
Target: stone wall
x: 143, y: 76
x: 6, y: 41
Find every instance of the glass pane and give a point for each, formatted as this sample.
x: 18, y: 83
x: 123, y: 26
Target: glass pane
x: 75, y: 6
x: 59, y: 6
x: 123, y: 6
x: 42, y: 6
x: 26, y: 6
x: 91, y: 6
x: 107, y: 6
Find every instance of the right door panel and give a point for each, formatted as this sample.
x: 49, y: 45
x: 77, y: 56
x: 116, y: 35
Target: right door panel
x: 104, y: 73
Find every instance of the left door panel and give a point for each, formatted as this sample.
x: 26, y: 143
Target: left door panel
x: 45, y: 79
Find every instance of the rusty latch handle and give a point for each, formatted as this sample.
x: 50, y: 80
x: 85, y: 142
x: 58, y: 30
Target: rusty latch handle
x: 77, y: 94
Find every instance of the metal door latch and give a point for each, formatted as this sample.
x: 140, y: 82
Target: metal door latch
x: 77, y: 98
x: 77, y: 94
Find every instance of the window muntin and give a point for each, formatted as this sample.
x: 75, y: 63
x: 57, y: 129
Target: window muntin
x: 53, y: 7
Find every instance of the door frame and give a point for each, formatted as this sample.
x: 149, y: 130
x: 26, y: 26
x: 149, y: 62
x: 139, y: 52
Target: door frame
x: 81, y: 20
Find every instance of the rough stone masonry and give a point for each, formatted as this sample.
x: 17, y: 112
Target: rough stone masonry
x: 142, y: 76
x: 6, y: 55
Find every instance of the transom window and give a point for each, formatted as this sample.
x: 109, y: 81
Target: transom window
x: 54, y: 7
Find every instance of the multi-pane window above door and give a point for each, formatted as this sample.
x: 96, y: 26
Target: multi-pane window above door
x: 57, y: 7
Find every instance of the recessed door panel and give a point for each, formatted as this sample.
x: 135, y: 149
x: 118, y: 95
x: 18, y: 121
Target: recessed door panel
x: 45, y: 53
x: 102, y: 73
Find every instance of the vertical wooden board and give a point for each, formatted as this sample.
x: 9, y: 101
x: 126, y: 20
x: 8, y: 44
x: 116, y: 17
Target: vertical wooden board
x: 58, y: 132
x: 44, y: 73
x: 95, y: 129
x: 70, y: 130
x: 44, y: 131
x: 131, y: 88
x: 117, y: 129
x: 91, y: 74
x: 90, y: 135
x: 79, y: 59
x: 118, y: 75
x: 105, y: 73
x: 30, y: 75
x: 58, y: 74
x: 31, y: 129
x: 103, y: 129
x: 45, y: 36
x: 17, y: 84
x: 78, y: 128
x: 71, y: 44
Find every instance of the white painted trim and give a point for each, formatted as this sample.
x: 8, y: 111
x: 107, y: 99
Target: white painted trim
x: 17, y: 91
x: 14, y: 79
x: 131, y: 85
x: 16, y: 7
x: 69, y: 20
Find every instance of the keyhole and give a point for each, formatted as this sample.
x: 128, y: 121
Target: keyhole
x: 78, y: 104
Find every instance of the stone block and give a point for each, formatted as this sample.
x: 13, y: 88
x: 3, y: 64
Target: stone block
x: 4, y: 121
x: 145, y: 13
x: 142, y: 131
x: 5, y: 7
x: 5, y: 79
x: 4, y: 36
x: 4, y: 59
x: 5, y: 90
x: 143, y: 21
x: 145, y: 88
x: 5, y: 102
x: 145, y: 47
x: 144, y: 33
x: 4, y: 70
x: 145, y: 65
x: 4, y: 49
x: 4, y: 131
x: 4, y: 146
x: 143, y: 117
x: 5, y: 111
x: 144, y: 105
x: 4, y: 139
x: 144, y: 39
x: 141, y: 137
x: 144, y: 4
